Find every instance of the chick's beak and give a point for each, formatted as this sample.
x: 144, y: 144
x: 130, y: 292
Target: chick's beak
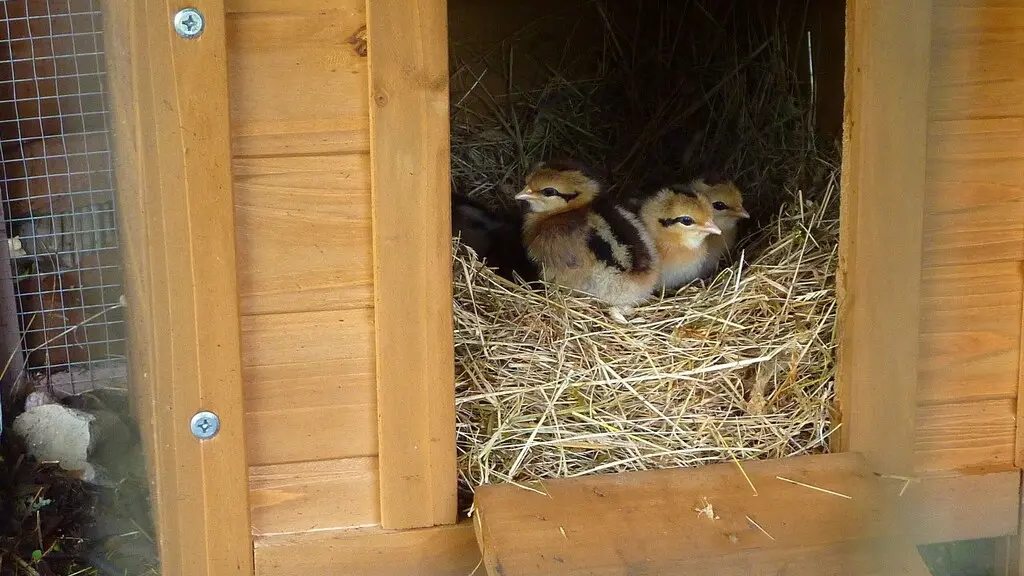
x: 741, y: 213
x: 711, y: 228
x: 526, y: 194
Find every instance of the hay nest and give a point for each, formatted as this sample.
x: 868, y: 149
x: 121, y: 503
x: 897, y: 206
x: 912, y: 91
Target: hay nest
x: 740, y: 367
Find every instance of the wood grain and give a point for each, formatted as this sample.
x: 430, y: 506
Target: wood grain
x: 328, y: 494
x: 884, y: 145
x: 309, y: 386
x: 252, y: 6
x: 967, y: 436
x: 438, y: 551
x: 945, y: 508
x: 170, y: 113
x: 304, y: 239
x: 970, y: 332
x: 408, y: 57
x: 297, y: 86
x: 975, y: 207
x: 961, y: 507
x: 645, y: 522
x: 977, y: 60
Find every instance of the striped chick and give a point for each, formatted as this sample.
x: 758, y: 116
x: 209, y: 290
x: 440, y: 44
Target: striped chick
x: 680, y: 221
x: 585, y: 242
x: 727, y: 201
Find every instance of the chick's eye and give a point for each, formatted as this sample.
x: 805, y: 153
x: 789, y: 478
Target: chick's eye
x: 549, y: 192
x: 686, y: 221
x: 719, y: 206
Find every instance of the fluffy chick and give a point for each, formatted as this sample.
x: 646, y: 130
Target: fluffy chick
x: 727, y: 201
x: 584, y: 242
x: 495, y: 237
x: 680, y: 221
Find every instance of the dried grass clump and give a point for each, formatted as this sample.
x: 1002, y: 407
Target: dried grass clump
x: 742, y: 368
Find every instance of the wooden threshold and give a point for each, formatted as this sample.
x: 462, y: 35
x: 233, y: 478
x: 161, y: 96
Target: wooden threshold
x: 935, y: 509
x: 713, y: 520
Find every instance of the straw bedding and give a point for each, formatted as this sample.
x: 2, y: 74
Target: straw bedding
x: 738, y: 367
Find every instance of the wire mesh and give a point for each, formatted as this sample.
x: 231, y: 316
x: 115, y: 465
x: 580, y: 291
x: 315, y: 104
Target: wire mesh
x: 57, y: 197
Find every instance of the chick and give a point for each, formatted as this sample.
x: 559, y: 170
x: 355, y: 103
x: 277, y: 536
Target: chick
x: 727, y: 201
x: 681, y: 221
x: 584, y: 242
x: 493, y: 236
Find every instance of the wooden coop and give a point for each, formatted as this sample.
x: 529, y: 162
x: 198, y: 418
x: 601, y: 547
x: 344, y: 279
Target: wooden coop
x: 282, y: 177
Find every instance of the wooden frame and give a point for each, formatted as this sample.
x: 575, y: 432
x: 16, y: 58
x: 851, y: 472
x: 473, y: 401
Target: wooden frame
x: 879, y: 283
x: 409, y: 151
x: 173, y: 173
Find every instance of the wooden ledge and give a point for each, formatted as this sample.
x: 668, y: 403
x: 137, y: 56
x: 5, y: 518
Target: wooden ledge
x: 699, y: 521
x: 437, y: 551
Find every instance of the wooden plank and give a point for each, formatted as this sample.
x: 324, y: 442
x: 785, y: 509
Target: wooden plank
x: 280, y: 432
x: 408, y: 56
x: 960, y: 507
x: 884, y: 145
x: 649, y: 522
x: 975, y: 206
x: 172, y: 153
x: 251, y: 6
x: 438, y: 551
x: 968, y: 33
x: 970, y: 332
x: 304, y: 239
x: 317, y: 101
x: 329, y: 494
x: 275, y: 339
x: 972, y: 436
x: 309, y: 367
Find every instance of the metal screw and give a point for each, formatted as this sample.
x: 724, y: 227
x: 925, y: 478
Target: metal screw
x: 188, y: 22
x: 205, y: 425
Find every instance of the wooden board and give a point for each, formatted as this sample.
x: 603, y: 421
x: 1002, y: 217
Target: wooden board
x: 970, y: 332
x: 408, y: 58
x: 966, y: 436
x: 937, y: 509
x: 968, y: 33
x: 975, y: 201
x: 309, y: 386
x: 306, y: 49
x: 439, y: 551
x: 304, y: 239
x: 172, y: 154
x: 308, y: 496
x: 974, y: 228
x: 884, y: 145
x: 649, y: 522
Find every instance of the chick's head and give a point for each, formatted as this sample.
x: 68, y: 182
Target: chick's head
x: 553, y: 187
x: 726, y: 200
x: 681, y: 217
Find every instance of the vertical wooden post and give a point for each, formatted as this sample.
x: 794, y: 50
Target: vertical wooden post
x: 409, y: 148
x: 173, y: 180
x: 882, y: 214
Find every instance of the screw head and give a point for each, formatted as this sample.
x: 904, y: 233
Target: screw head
x: 205, y: 425
x: 188, y: 23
